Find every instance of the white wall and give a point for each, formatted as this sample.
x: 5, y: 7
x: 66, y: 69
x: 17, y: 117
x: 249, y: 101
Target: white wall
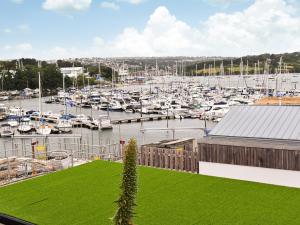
x: 263, y: 175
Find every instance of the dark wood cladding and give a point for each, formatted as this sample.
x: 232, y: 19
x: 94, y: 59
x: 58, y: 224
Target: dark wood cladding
x: 250, y: 156
x: 245, y: 153
x: 169, y: 159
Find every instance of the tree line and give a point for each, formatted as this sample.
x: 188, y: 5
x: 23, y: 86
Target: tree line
x: 290, y: 63
x: 23, y: 73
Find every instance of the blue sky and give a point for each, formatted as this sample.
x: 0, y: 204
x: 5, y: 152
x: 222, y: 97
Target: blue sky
x: 85, y: 28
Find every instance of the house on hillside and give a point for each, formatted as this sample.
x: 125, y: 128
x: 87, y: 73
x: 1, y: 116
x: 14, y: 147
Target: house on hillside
x: 72, y: 71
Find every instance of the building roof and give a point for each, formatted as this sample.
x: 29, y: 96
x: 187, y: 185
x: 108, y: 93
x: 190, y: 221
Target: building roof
x: 71, y: 68
x: 260, y: 121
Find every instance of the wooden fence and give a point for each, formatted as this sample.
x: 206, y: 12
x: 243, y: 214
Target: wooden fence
x: 169, y: 159
x: 250, y: 156
x: 267, y: 157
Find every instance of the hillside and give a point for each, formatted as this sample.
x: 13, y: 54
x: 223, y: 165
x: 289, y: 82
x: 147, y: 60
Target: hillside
x: 290, y: 60
x: 86, y: 195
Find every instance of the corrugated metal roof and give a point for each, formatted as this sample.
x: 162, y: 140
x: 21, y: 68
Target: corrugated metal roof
x: 259, y: 121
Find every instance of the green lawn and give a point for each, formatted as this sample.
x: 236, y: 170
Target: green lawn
x: 86, y: 195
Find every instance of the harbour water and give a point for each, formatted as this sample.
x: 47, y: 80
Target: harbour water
x: 122, y: 131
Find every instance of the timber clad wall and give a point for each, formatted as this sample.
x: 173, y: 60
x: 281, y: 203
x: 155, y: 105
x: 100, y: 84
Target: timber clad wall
x: 220, y: 153
x: 169, y: 159
x: 250, y: 156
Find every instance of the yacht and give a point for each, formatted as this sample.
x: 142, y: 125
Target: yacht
x: 6, y: 130
x: 25, y: 125
x: 3, y: 112
x: 115, y: 106
x: 44, y: 129
x: 13, y: 121
x: 103, y: 122
x: 64, y: 125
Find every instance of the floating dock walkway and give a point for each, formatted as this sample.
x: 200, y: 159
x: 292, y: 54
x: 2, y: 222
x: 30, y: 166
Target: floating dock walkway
x: 114, y: 121
x: 142, y: 119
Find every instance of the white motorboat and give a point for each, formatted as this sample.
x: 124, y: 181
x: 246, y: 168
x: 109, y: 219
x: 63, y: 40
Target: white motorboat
x: 13, y: 123
x: 44, y: 129
x: 64, y: 125
x: 115, y: 106
x: 6, y: 130
x: 3, y: 112
x: 25, y: 125
x: 103, y: 122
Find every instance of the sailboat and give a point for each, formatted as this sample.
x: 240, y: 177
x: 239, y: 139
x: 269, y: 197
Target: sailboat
x: 64, y: 124
x: 43, y: 127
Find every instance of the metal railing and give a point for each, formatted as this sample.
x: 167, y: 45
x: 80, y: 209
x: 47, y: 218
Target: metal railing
x: 27, y: 156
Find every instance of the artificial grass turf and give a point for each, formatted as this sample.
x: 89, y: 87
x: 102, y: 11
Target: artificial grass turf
x: 86, y: 195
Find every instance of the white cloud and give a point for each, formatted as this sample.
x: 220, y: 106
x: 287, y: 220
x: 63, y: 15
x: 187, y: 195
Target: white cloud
x: 7, y: 47
x: 110, y: 5
x: 17, y: 51
x: 24, y: 47
x: 98, y: 41
x: 265, y: 26
x: 66, y: 5
x: 7, y: 30
x: 24, y: 27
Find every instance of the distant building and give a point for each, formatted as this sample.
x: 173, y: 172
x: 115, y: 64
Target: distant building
x: 71, y: 71
x: 123, y: 74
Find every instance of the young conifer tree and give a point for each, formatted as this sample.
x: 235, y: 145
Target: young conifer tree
x: 126, y: 202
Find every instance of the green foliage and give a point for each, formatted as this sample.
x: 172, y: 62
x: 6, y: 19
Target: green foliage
x: 291, y: 59
x: 62, y: 63
x: 27, y: 77
x: 126, y: 201
x: 82, y: 80
x: 106, y: 72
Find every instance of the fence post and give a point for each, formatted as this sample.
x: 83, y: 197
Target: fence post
x: 8, y: 170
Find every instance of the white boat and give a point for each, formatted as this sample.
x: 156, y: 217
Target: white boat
x: 3, y: 112
x: 103, y: 122
x: 115, y: 106
x: 6, y: 130
x: 44, y: 129
x: 4, y: 98
x: 64, y: 125
x: 13, y: 123
x: 25, y: 125
x: 15, y: 111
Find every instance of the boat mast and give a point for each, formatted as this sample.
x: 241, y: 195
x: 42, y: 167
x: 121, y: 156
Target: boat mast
x: 40, y: 89
x: 99, y: 68
x: 156, y: 68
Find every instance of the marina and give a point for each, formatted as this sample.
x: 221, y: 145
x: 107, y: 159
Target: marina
x: 137, y: 112
x: 159, y: 101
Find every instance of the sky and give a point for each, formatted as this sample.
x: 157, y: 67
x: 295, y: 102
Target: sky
x: 52, y: 29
